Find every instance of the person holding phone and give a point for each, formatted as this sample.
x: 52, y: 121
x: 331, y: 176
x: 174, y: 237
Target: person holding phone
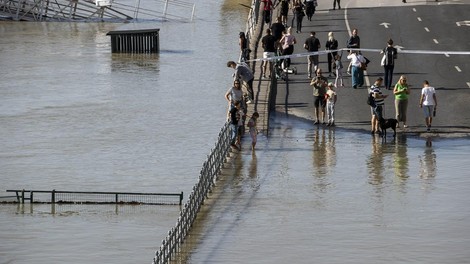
x: 401, y: 92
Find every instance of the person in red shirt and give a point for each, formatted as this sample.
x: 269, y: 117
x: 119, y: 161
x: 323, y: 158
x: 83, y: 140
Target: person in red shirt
x: 268, y: 6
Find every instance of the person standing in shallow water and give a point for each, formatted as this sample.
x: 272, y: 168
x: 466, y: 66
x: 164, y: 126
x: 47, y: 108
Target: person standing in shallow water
x: 428, y: 102
x: 401, y: 92
x: 243, y: 72
x: 319, y: 84
x: 253, y: 130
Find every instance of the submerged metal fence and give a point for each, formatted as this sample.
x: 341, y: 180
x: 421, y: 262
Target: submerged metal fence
x: 135, y: 41
x: 210, y: 169
x: 69, y: 197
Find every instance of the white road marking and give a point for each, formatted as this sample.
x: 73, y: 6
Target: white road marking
x: 414, y: 9
x: 447, y: 55
x: 435, y: 41
x: 385, y: 24
x: 419, y: 19
x: 427, y: 29
x: 468, y: 83
x: 458, y: 69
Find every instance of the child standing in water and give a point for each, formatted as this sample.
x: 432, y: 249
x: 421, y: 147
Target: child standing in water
x: 253, y: 130
x: 330, y: 97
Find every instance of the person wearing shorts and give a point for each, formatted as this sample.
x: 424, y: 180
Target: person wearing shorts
x: 319, y: 84
x: 269, y: 45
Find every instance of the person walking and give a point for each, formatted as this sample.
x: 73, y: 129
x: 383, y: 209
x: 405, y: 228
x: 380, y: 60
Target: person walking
x: 312, y: 44
x: 253, y: 129
x: 319, y: 84
x: 243, y: 72
x: 334, y: 4
x: 268, y: 42
x: 287, y: 43
x: 277, y: 29
x: 357, y: 68
x: 388, y: 62
x: 401, y: 92
x: 377, y: 107
x: 331, y: 44
x: 298, y: 8
x: 330, y: 98
x: 428, y: 102
x: 267, y: 8
x: 339, y: 71
x: 283, y: 11
x: 310, y: 8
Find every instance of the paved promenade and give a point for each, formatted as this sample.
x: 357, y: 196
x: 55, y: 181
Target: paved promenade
x: 294, y: 98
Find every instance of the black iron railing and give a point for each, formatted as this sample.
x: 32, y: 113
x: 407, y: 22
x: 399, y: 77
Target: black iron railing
x: 72, y: 197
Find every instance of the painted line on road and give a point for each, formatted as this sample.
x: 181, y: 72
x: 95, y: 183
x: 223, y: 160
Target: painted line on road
x: 427, y: 29
x: 414, y: 9
x: 435, y: 41
x: 468, y: 83
x: 458, y: 68
x: 419, y: 19
x: 447, y: 55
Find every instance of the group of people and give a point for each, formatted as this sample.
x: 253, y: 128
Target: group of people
x: 325, y: 95
x: 401, y: 92
x: 279, y: 39
x: 237, y: 105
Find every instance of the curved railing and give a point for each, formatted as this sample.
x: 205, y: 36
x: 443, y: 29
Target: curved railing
x: 210, y: 170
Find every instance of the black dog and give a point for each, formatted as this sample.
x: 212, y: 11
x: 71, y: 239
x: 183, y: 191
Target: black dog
x: 388, y: 123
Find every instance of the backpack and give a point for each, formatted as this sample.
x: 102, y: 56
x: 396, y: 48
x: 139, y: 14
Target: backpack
x: 371, y: 100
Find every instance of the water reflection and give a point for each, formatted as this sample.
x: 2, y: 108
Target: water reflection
x: 324, y: 151
x: 375, y: 162
x: 131, y: 63
x: 400, y: 159
x: 388, y: 153
x: 427, y: 164
x: 324, y: 161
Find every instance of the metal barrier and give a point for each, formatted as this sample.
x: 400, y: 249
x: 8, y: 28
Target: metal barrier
x: 94, y: 10
x: 210, y: 170
x: 69, y: 197
x: 135, y: 41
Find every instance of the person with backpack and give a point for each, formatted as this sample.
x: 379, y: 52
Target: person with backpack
x: 376, y: 102
x: 388, y: 62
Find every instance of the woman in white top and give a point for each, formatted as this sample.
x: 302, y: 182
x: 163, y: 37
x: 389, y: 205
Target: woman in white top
x: 357, y: 72
x: 428, y: 102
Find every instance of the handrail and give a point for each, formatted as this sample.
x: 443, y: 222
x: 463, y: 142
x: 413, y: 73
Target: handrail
x: 207, y: 178
x: 116, y: 197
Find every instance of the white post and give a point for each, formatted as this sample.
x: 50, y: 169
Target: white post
x: 192, y: 14
x: 165, y: 8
